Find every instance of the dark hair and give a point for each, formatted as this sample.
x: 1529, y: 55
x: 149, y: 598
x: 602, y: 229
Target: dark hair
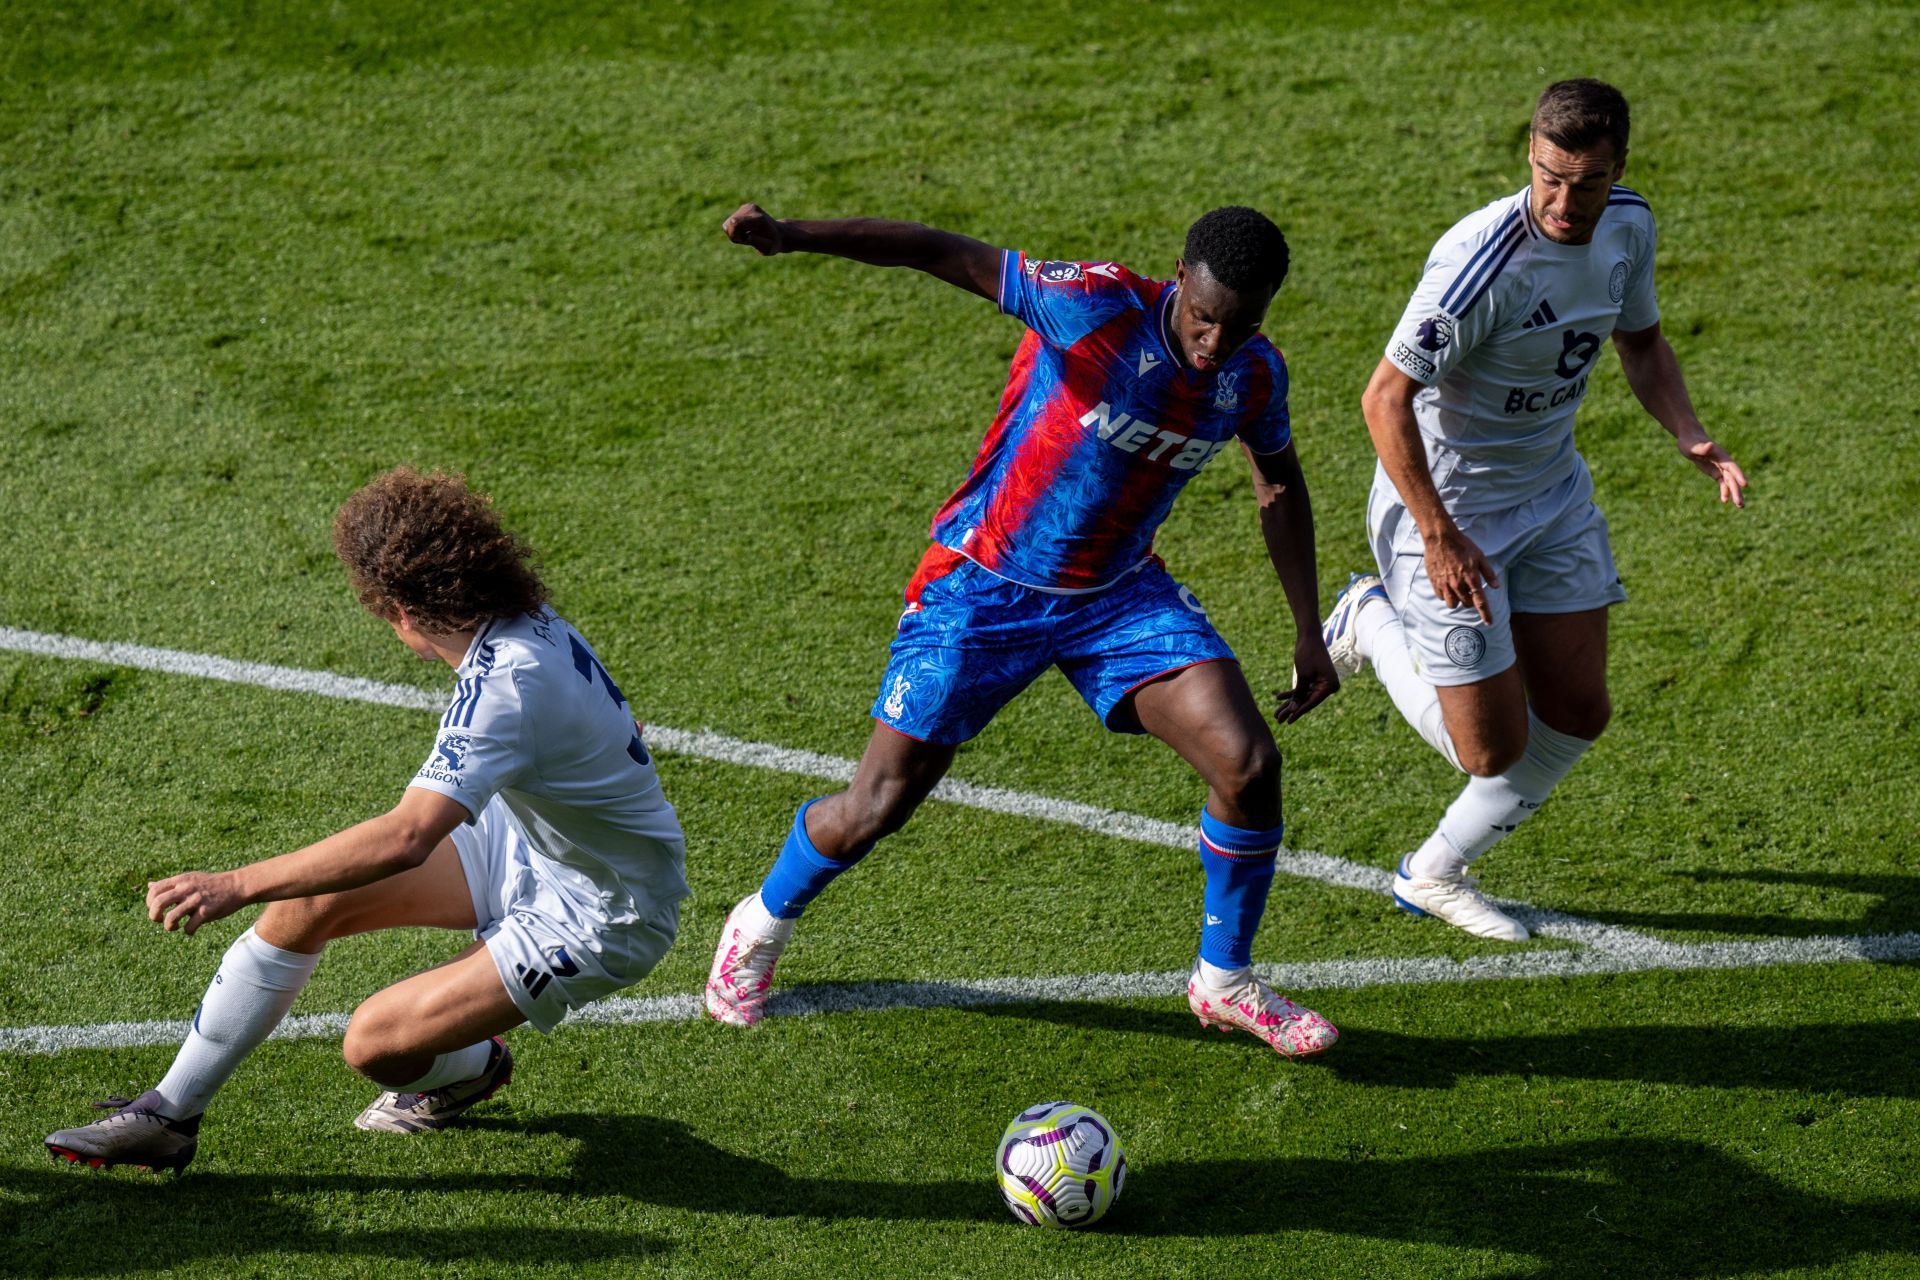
x: 1576, y: 114
x: 431, y: 546
x: 1240, y: 247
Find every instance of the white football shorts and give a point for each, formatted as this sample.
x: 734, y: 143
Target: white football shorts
x: 545, y: 925
x: 1551, y: 554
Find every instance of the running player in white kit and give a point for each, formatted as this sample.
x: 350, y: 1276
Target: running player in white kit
x: 1488, y: 620
x: 537, y: 822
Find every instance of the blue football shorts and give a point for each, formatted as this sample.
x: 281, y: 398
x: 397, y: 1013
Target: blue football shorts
x: 970, y: 640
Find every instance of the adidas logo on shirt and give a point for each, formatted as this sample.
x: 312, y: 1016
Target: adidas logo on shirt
x: 1542, y: 315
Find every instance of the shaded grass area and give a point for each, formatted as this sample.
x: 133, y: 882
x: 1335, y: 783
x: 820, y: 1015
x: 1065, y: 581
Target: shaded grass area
x: 1514, y: 1129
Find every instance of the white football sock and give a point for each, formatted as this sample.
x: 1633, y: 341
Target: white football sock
x: 1383, y: 642
x: 253, y: 990
x: 1488, y: 808
x: 754, y: 919
x: 1223, y: 979
x: 452, y: 1068
x: 1369, y: 616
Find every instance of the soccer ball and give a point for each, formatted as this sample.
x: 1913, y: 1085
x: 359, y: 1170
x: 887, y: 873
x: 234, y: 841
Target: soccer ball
x: 1060, y: 1165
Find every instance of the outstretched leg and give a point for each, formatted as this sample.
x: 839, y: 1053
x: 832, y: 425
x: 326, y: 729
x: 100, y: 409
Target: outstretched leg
x: 259, y: 978
x: 1207, y: 714
x: 828, y: 836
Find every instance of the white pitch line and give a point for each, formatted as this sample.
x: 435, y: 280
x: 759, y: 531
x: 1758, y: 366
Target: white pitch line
x: 879, y: 997
x: 760, y: 755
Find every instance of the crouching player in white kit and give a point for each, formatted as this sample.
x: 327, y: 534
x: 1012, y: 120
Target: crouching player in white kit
x: 537, y: 822
x: 1488, y: 620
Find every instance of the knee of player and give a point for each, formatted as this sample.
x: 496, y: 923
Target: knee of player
x: 1252, y: 778
x: 1490, y: 759
x: 369, y: 1042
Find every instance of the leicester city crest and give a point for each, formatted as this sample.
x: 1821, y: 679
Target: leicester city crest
x: 1466, y: 646
x: 1226, y: 392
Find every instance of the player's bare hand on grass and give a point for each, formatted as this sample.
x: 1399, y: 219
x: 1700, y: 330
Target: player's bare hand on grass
x: 1714, y: 463
x: 1460, y: 574
x: 756, y: 228
x: 1314, y: 680
x: 191, y: 899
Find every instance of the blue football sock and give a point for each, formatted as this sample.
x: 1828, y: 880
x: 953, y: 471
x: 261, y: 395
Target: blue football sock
x: 1239, y: 867
x: 801, y: 871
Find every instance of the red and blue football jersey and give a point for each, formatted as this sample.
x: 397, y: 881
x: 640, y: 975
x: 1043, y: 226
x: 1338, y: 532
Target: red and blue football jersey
x: 1099, y: 427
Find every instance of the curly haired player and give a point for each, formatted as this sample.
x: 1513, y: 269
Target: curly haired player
x: 537, y: 822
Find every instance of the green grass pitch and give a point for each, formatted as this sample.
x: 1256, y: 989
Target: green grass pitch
x: 251, y: 254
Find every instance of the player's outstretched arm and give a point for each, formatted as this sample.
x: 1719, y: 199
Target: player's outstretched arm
x: 960, y: 260
x: 372, y: 850
x: 1455, y: 566
x: 1653, y: 371
x: 1286, y: 523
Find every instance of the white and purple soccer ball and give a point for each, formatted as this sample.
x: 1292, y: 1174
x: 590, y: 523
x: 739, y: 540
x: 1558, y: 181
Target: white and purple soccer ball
x: 1060, y: 1165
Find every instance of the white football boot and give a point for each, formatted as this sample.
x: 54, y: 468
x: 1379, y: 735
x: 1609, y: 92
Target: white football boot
x: 750, y: 945
x: 395, y: 1111
x: 1361, y: 591
x: 1456, y: 899
x: 1250, y: 1005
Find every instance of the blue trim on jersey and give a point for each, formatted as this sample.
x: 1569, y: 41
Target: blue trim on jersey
x: 1627, y: 195
x: 1470, y: 275
x: 1513, y: 247
x: 466, y: 699
x: 1009, y: 270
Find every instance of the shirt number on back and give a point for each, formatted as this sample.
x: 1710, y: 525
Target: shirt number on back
x: 590, y: 670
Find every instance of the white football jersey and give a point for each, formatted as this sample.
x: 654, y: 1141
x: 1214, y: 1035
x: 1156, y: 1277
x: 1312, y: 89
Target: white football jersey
x: 538, y: 722
x: 1503, y: 332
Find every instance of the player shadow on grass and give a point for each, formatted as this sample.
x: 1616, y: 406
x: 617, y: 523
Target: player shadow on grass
x: 1896, y: 908
x: 1865, y: 1059
x: 1625, y: 1206
x: 1642, y: 1205
x: 162, y: 1222
x: 59, y: 1221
